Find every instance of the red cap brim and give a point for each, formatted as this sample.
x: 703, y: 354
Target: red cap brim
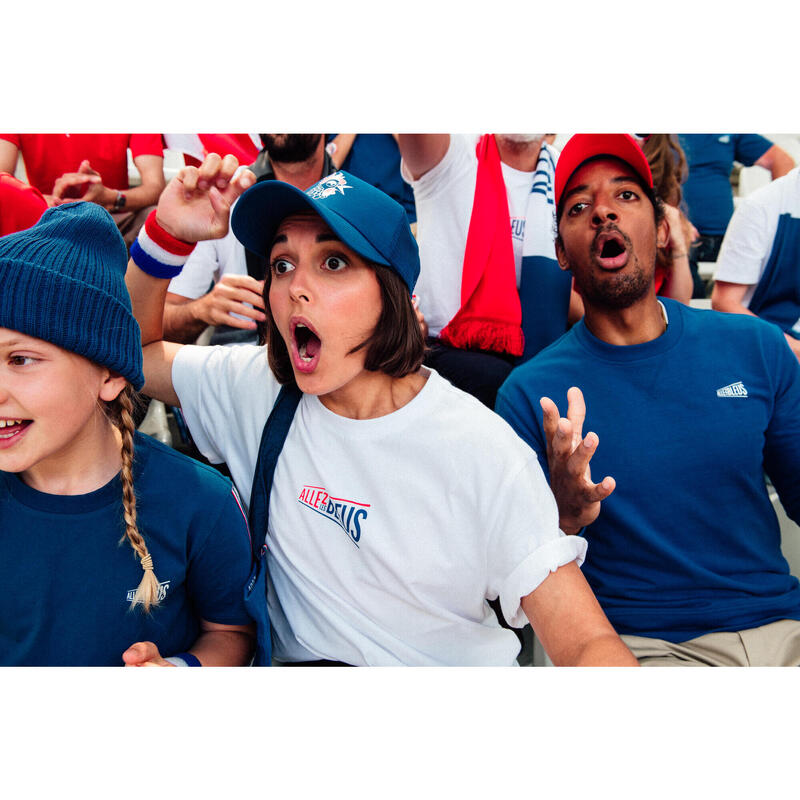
x: 583, y: 146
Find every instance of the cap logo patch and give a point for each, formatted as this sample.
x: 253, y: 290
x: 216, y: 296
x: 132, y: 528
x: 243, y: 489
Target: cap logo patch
x: 329, y: 186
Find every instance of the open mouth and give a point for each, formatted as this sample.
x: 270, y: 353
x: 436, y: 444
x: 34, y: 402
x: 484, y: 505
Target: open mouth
x: 307, y: 346
x: 611, y: 249
x: 12, y: 428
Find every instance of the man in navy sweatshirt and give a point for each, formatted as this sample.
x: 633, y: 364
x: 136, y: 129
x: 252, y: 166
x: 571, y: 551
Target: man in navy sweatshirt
x: 688, y: 409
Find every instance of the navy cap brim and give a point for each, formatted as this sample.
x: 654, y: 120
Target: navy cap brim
x: 259, y: 212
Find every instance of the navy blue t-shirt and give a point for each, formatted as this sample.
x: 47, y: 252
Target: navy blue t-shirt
x: 375, y: 158
x: 707, y: 191
x: 67, y: 582
x: 688, y: 543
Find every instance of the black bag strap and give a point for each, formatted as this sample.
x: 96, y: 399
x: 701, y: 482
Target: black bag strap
x: 274, y: 435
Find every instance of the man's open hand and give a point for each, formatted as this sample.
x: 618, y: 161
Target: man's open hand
x: 568, y: 457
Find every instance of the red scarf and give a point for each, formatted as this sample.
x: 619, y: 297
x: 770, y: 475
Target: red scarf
x: 490, y: 317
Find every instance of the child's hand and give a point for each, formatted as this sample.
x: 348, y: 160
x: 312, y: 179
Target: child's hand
x: 144, y: 654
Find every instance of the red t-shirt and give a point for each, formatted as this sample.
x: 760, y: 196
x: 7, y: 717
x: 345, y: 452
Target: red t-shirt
x: 48, y: 156
x: 20, y: 205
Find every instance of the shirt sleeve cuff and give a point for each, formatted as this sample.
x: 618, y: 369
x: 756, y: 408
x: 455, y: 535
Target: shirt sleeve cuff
x: 533, y: 570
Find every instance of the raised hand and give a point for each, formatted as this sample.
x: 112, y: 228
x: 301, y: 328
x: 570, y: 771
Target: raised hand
x: 568, y: 457
x: 197, y: 202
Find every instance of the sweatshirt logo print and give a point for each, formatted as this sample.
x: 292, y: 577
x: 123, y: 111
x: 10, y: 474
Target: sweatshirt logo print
x: 733, y: 390
x: 162, y: 592
x: 349, y: 515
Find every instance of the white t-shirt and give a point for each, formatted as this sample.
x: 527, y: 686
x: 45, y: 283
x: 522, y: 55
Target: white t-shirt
x: 747, y: 245
x: 209, y: 261
x: 443, y: 198
x: 386, y: 536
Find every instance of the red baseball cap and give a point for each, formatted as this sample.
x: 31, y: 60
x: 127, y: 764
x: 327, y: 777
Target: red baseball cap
x: 583, y: 146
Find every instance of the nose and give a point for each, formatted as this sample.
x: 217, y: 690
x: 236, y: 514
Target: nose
x: 299, y: 286
x: 603, y: 213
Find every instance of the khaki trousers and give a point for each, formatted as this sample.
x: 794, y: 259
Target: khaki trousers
x: 129, y: 223
x: 773, y: 645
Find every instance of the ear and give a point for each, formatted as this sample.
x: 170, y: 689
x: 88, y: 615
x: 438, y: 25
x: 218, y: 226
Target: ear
x: 112, y: 385
x: 662, y: 232
x: 561, y: 256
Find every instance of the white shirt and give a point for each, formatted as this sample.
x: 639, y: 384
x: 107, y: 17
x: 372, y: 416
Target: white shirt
x: 386, y: 536
x: 443, y: 198
x: 747, y: 245
x: 209, y: 261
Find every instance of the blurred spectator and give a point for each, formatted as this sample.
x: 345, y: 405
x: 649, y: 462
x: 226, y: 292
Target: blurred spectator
x: 91, y: 166
x: 20, y: 204
x: 708, y: 192
x: 758, y: 270
x: 221, y: 283
x: 375, y: 158
x: 490, y: 287
x: 673, y: 276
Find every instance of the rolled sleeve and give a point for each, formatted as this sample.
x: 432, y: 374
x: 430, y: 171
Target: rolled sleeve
x: 534, y: 569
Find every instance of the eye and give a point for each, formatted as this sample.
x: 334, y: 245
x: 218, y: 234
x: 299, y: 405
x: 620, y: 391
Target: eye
x: 335, y: 263
x: 576, y: 209
x: 280, y: 266
x: 21, y: 361
x: 628, y: 194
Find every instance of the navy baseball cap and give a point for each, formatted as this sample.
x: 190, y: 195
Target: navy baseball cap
x: 364, y: 218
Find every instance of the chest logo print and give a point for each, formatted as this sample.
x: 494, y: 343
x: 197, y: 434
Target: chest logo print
x: 349, y: 515
x: 733, y: 390
x: 162, y: 592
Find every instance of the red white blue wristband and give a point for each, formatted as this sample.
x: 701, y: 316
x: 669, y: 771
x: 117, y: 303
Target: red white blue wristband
x: 184, y: 660
x: 157, y: 252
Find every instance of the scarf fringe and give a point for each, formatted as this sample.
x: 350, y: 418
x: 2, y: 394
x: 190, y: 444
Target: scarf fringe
x: 496, y: 337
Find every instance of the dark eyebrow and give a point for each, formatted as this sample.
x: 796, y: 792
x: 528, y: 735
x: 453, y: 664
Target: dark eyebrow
x: 584, y: 186
x: 574, y: 190
x: 322, y: 237
x: 280, y: 239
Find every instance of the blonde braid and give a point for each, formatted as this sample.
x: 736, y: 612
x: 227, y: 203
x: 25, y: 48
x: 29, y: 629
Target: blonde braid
x: 147, y: 591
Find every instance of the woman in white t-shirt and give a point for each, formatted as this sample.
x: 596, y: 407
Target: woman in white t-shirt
x: 400, y: 505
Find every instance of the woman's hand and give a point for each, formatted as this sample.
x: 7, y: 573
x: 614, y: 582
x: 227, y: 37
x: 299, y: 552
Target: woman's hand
x: 196, y: 204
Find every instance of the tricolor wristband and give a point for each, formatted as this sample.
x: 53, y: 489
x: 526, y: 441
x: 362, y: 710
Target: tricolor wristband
x: 184, y: 660
x: 158, y: 253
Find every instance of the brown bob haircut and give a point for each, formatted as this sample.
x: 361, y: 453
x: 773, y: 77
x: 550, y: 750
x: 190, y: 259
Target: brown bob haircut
x: 396, y: 346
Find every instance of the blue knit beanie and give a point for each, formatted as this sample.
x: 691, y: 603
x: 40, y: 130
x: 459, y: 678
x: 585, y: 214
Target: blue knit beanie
x: 63, y: 280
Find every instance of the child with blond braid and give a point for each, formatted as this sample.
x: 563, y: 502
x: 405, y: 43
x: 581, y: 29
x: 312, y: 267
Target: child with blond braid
x: 113, y: 548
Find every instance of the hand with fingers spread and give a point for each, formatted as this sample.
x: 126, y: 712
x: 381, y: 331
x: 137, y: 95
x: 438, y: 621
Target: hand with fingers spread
x: 197, y: 202
x: 144, y: 654
x: 568, y: 457
x: 229, y: 297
